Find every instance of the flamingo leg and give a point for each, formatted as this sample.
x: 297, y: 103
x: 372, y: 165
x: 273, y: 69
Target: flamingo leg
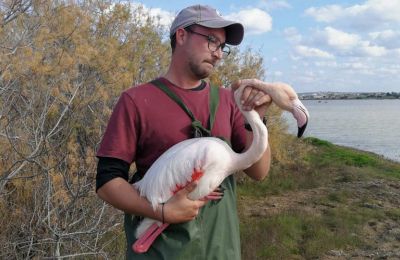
x: 146, y: 240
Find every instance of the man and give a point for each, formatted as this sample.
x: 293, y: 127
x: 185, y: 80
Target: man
x: 146, y: 122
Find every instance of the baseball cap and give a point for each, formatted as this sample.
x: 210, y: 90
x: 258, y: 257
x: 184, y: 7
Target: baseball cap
x: 208, y: 17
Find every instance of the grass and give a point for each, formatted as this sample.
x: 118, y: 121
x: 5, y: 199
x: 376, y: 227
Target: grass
x: 296, y: 234
x: 338, y: 216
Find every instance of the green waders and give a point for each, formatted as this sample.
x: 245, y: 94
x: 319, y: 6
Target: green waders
x: 214, y: 234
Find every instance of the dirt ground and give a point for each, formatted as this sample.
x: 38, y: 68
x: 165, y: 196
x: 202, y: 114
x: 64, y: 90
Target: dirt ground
x: 381, y: 236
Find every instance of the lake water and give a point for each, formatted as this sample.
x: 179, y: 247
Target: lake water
x: 370, y: 125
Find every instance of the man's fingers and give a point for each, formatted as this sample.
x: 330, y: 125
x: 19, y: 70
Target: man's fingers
x: 250, y: 100
x: 245, y: 95
x: 263, y: 99
x: 190, y: 187
x: 246, y: 82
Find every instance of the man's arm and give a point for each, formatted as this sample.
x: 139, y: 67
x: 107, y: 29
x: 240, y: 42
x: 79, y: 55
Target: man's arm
x: 122, y: 195
x: 259, y: 170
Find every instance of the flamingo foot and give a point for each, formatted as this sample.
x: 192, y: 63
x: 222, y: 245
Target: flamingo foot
x: 146, y: 240
x: 211, y: 197
x: 217, y: 194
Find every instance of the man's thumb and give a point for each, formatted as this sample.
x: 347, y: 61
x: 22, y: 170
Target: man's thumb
x: 235, y: 85
x: 190, y: 187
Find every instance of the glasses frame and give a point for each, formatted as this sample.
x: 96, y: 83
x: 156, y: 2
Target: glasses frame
x: 215, y: 43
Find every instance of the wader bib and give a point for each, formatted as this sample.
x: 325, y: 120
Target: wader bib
x: 214, y: 233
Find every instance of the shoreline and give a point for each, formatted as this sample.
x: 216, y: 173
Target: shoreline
x: 348, y: 95
x: 356, y: 149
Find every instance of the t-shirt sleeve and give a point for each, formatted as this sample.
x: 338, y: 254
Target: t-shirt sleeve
x: 121, y: 135
x: 110, y: 168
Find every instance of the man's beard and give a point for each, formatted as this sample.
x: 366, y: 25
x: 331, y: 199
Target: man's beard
x: 199, y: 72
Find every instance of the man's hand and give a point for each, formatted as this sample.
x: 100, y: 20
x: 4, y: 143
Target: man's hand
x: 179, y: 208
x: 252, y: 98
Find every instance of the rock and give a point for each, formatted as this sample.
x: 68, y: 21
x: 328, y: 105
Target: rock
x: 336, y: 253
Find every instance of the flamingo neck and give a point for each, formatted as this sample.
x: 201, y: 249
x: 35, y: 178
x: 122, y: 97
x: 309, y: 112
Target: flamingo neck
x: 260, y: 137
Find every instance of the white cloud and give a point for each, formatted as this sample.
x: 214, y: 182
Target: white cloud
x: 305, y: 79
x: 254, y: 20
x: 306, y: 51
x: 386, y: 34
x: 338, y: 39
x: 388, y: 71
x: 366, y: 48
x: 331, y: 42
x: 356, y: 65
x: 387, y: 38
x: 275, y: 4
x: 326, y: 64
x: 372, y: 13
x: 397, y: 52
x: 292, y: 35
x: 163, y: 17
x: 326, y: 13
x: 388, y: 10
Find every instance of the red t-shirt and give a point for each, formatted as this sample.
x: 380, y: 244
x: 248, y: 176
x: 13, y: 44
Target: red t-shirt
x: 146, y: 122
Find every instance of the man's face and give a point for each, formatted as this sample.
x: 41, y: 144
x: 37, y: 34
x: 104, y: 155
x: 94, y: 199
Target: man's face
x: 201, y: 59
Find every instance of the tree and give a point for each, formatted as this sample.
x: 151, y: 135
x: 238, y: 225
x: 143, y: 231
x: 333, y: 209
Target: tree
x: 62, y: 67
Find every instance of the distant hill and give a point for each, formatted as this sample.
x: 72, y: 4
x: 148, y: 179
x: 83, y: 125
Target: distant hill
x: 348, y: 95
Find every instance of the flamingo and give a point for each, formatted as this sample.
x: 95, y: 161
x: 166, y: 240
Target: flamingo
x: 208, y: 160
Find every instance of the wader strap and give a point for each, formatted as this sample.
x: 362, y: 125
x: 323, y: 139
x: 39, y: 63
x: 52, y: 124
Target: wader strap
x: 198, y: 129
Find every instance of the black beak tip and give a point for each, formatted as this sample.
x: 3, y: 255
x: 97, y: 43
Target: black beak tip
x: 301, y: 130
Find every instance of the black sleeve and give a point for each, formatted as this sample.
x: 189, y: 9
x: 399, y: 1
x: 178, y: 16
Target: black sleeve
x: 110, y: 168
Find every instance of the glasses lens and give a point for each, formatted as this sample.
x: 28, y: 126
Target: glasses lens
x: 213, y: 44
x: 226, y: 50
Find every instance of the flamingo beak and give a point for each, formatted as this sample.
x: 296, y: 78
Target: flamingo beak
x: 301, y: 130
x: 301, y: 114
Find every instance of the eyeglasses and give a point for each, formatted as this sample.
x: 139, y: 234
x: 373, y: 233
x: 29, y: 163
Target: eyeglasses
x: 213, y: 43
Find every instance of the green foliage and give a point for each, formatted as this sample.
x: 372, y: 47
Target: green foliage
x: 339, y: 155
x: 318, y: 142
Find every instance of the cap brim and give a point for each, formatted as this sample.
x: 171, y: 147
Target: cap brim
x: 234, y: 31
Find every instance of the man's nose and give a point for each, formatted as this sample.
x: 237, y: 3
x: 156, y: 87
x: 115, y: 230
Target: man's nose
x: 218, y: 53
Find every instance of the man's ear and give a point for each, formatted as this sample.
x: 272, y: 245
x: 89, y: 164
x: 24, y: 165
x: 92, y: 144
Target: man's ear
x: 180, y: 35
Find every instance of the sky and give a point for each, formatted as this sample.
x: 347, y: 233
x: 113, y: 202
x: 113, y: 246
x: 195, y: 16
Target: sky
x: 314, y: 45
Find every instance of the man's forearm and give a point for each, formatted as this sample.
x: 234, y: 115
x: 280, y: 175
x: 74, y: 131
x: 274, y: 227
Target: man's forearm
x: 179, y: 208
x: 259, y: 170
x: 122, y: 195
